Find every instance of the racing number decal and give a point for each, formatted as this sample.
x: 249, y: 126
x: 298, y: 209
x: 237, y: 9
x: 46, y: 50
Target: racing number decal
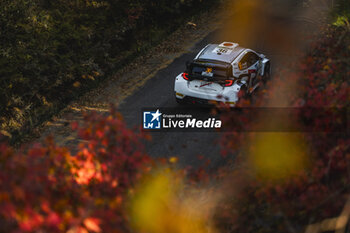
x: 222, y: 50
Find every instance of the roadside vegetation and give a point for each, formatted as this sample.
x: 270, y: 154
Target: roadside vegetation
x: 289, y: 180
x: 51, y: 52
x: 296, y: 181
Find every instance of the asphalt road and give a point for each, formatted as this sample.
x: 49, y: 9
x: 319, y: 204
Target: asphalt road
x: 158, y: 92
x: 275, y: 35
x: 278, y: 41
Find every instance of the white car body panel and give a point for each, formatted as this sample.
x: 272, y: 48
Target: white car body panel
x: 231, y: 54
x: 214, y: 91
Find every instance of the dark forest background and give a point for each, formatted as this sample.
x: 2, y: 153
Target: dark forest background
x: 51, y: 51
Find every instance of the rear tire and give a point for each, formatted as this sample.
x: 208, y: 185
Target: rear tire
x: 180, y: 101
x: 267, y: 73
x: 246, y: 94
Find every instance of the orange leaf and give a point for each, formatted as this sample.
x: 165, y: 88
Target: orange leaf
x: 92, y: 224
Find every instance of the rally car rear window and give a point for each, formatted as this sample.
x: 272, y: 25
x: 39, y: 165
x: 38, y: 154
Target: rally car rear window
x: 197, y: 70
x: 219, y: 69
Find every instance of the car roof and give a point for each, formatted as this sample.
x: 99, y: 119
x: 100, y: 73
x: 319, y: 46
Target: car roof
x: 212, y: 52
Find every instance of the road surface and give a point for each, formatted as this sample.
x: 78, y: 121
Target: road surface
x: 153, y: 85
x: 158, y: 92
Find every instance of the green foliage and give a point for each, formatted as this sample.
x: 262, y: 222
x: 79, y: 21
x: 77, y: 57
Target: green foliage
x: 341, y: 13
x: 341, y: 21
x: 51, y: 50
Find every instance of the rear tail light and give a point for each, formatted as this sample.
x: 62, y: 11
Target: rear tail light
x: 185, y: 76
x: 228, y: 83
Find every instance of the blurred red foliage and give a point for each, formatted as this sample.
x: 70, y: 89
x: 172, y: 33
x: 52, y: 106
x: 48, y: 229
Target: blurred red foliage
x: 320, y: 190
x: 48, y: 189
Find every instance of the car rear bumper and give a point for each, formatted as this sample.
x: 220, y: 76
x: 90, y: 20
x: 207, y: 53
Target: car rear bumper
x: 183, y: 92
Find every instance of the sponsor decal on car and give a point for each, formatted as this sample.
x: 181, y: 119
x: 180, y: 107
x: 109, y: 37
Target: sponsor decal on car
x: 205, y: 84
x: 208, y: 72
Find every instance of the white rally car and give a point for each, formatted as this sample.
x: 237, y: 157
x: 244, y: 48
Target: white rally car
x: 219, y: 72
